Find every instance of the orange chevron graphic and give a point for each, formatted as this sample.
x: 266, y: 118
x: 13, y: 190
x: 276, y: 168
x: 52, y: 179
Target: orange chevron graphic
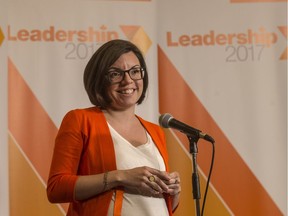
x: 1, y: 37
x: 29, y: 123
x: 283, y: 30
x: 27, y: 193
x: 32, y: 129
x: 231, y: 177
x: 137, y: 35
x: 179, y: 161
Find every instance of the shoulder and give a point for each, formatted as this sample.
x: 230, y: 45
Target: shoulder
x: 84, y: 113
x: 83, y: 116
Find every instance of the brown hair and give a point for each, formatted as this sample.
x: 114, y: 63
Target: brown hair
x: 95, y: 81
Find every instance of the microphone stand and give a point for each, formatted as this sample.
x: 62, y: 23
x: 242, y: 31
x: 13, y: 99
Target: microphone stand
x: 195, y: 177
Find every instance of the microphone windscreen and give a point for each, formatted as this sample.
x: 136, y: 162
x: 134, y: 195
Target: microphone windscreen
x: 164, y: 120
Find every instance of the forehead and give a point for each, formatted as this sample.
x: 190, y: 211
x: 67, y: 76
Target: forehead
x: 126, y: 61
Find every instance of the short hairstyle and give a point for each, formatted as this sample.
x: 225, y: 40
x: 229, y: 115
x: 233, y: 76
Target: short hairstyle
x: 94, y: 78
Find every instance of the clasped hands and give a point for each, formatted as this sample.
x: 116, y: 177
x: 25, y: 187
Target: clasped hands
x: 151, y: 182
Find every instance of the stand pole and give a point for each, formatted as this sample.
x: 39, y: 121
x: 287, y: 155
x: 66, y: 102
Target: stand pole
x: 195, y: 176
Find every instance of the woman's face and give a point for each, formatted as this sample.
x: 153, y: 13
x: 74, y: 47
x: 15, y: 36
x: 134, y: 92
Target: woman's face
x: 126, y: 93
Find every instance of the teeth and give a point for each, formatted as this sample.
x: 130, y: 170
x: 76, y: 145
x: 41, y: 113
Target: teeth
x: 127, y: 91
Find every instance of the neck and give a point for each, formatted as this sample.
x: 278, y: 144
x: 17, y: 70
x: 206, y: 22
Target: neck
x: 119, y: 115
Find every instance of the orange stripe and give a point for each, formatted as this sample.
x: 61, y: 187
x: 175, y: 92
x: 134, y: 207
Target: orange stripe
x: 284, y: 31
x: 29, y: 123
x: 27, y: 194
x: 180, y: 162
x: 118, y: 202
x: 231, y: 177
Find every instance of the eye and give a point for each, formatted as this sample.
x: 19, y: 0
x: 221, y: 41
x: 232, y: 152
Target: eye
x: 114, y: 74
x: 135, y: 71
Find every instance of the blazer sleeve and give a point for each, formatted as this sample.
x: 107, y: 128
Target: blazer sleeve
x: 67, y: 152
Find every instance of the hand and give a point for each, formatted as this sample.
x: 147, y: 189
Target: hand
x: 145, y: 181
x: 173, y: 184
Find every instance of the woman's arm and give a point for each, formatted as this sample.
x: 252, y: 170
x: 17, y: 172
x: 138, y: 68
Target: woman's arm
x: 91, y: 185
x: 133, y: 180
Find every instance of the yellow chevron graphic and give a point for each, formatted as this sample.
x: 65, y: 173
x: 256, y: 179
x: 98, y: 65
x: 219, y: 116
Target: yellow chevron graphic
x: 138, y: 36
x: 1, y: 37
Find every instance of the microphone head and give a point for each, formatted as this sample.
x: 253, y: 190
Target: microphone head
x: 164, y: 120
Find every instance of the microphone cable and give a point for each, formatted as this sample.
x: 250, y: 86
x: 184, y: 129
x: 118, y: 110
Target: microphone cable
x: 208, y: 178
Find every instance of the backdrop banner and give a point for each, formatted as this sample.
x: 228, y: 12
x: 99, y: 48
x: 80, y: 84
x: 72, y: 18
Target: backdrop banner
x: 219, y: 66
x: 4, y: 195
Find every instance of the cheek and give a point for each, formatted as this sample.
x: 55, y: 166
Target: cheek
x: 141, y: 86
x: 109, y: 91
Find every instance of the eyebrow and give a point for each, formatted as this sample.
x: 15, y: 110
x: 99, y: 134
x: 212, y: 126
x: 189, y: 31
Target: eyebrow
x: 118, y: 69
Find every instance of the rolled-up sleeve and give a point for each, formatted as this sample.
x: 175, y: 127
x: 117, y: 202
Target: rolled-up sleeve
x: 67, y: 153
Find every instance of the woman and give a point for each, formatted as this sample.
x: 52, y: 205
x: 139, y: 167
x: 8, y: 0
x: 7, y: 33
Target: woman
x: 107, y: 160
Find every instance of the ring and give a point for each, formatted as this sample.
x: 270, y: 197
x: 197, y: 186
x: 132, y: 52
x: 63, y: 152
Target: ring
x: 151, y: 178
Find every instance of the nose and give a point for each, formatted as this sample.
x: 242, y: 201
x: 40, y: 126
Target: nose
x: 127, y: 77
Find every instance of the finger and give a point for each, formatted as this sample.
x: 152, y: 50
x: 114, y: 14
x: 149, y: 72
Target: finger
x: 154, y: 191
x: 174, y: 189
x: 146, y: 188
x: 176, y: 181
x: 157, y: 184
x: 174, y: 186
x: 160, y: 174
x: 172, y: 181
x: 173, y: 174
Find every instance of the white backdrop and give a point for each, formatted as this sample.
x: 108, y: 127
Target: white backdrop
x: 228, y: 53
x: 242, y: 86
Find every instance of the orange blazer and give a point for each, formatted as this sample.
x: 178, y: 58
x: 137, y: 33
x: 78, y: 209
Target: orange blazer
x: 84, y: 146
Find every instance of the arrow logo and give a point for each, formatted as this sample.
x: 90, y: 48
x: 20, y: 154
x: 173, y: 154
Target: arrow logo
x: 1, y: 37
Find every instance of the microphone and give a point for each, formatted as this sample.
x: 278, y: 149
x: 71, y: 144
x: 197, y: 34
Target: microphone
x: 167, y: 121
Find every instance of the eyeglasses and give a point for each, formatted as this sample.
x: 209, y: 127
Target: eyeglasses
x: 116, y: 75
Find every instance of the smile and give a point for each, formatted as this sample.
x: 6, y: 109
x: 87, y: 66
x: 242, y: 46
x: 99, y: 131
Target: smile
x: 127, y: 91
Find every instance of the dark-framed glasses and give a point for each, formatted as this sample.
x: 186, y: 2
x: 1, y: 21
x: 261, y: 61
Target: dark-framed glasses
x: 116, y: 75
